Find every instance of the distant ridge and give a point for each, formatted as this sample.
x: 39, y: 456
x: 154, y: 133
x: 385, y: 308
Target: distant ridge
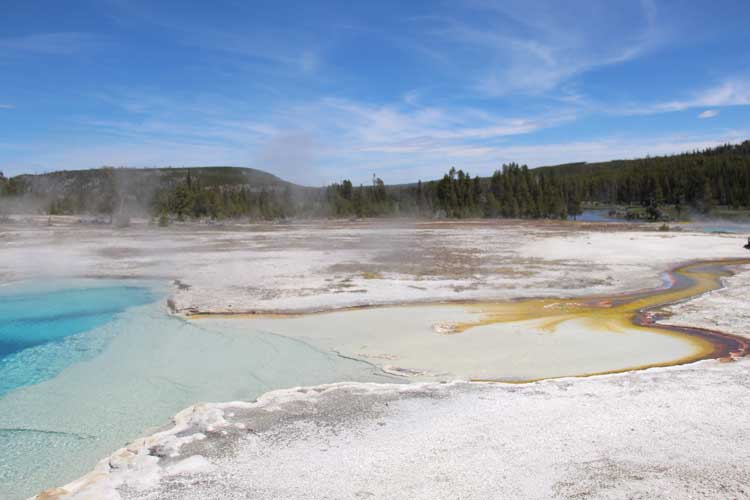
x: 210, y: 176
x: 93, y: 190
x: 225, y: 176
x: 695, y: 181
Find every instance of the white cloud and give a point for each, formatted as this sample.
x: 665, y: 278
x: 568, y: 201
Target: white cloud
x: 315, y: 142
x: 60, y: 44
x: 270, y: 48
x: 616, y: 147
x: 709, y: 113
x: 375, y: 126
x: 316, y: 159
x: 332, y: 138
x: 7, y: 106
x: 731, y: 92
x: 411, y: 97
x: 536, y: 46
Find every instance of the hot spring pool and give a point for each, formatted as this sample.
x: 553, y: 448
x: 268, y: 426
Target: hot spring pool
x: 89, y: 365
x: 45, y: 327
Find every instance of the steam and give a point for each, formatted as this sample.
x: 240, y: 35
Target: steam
x: 291, y: 156
x: 125, y: 192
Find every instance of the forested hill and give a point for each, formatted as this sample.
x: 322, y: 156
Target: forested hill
x: 104, y: 190
x: 719, y: 175
x: 696, y: 181
x: 683, y: 183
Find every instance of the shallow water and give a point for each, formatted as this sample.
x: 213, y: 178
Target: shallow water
x: 151, y: 366
x: 599, y: 215
x: 720, y: 226
x: 513, y: 341
x: 43, y: 326
x: 403, y: 340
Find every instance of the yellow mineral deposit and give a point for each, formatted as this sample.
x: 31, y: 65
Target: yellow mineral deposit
x: 518, y: 341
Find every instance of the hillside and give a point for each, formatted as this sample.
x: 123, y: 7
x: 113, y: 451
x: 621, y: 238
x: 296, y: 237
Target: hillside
x: 695, y: 181
x: 685, y: 183
x: 699, y: 179
x: 68, y: 181
x: 101, y: 190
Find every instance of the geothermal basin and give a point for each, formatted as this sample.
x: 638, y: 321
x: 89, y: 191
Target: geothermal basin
x: 345, y: 305
x: 513, y: 341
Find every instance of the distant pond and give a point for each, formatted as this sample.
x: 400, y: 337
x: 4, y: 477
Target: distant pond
x: 600, y: 215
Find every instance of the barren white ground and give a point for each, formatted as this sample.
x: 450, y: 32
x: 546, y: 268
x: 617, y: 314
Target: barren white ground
x: 663, y: 433
x: 678, y: 432
x: 328, y: 265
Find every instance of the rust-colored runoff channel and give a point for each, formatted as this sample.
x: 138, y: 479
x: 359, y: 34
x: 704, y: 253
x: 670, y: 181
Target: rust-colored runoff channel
x: 613, y: 313
x: 640, y: 309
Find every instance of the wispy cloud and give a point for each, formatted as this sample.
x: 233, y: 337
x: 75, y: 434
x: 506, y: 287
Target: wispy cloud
x: 407, y: 142
x: 320, y: 154
x: 284, y: 51
x: 330, y: 138
x: 482, y: 159
x: 376, y: 126
x: 616, y: 147
x: 411, y: 97
x: 270, y: 49
x: 57, y: 44
x: 7, y: 106
x: 731, y: 92
x: 313, y: 97
x: 536, y: 46
x: 313, y: 142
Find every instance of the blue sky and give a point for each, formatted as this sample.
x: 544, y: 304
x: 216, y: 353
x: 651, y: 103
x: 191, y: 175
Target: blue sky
x: 320, y: 91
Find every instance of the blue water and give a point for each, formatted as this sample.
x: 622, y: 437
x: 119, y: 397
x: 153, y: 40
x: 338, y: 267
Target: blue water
x: 719, y: 226
x: 704, y: 226
x: 600, y: 215
x: 44, y: 328
x: 82, y: 378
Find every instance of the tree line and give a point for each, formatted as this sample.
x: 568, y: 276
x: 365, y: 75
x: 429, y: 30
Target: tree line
x: 695, y: 181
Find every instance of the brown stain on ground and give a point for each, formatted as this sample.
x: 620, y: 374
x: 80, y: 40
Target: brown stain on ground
x: 612, y: 313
